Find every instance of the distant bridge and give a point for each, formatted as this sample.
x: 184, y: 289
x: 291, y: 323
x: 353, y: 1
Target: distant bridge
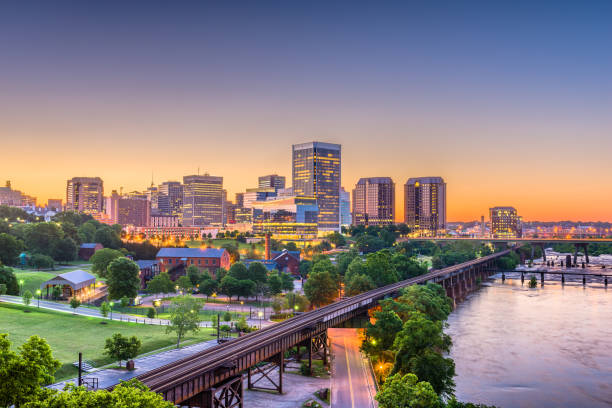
x: 213, y: 378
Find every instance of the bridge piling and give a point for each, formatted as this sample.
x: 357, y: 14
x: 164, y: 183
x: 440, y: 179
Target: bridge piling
x: 542, y: 278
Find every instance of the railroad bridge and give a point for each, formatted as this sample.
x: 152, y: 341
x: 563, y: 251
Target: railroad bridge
x: 213, y: 378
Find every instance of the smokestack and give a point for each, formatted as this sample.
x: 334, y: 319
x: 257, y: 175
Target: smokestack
x: 268, y: 254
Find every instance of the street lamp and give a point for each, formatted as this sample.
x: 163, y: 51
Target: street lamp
x: 38, y: 292
x: 260, y: 314
x: 20, y: 286
x: 241, y: 304
x: 111, y: 304
x: 296, y: 308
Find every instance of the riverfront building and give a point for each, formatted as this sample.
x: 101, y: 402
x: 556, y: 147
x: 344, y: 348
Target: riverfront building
x: 425, y: 205
x: 374, y: 201
x: 202, y: 200
x: 316, y: 173
x: 505, y: 223
x: 85, y: 195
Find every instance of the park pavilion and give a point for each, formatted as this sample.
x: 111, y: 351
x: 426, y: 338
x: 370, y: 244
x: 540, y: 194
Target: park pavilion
x: 79, y: 284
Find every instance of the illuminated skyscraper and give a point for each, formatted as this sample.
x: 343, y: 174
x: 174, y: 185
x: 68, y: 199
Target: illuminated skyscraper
x: 425, y: 205
x: 85, y: 194
x: 272, y: 181
x: 374, y: 201
x: 202, y: 201
x: 316, y: 173
x: 171, y: 198
x: 345, y: 208
x: 505, y: 223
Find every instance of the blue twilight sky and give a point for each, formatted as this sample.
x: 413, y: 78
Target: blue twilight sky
x: 510, y: 102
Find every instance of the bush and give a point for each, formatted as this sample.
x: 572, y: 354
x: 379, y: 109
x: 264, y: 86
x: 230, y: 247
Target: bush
x: 151, y: 313
x: 40, y: 261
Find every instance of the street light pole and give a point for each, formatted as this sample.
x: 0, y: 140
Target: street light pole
x: 38, y: 294
x: 111, y: 304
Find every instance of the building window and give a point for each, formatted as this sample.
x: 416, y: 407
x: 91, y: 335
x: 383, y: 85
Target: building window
x: 199, y: 262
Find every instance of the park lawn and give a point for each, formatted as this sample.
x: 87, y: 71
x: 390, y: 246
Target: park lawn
x: 67, y: 334
x: 33, y: 279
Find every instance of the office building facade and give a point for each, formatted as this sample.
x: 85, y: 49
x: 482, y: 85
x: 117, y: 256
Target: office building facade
x: 316, y: 173
x: 272, y: 181
x: 505, y: 222
x: 85, y: 195
x: 202, y: 201
x: 290, y: 219
x: 425, y: 205
x: 170, y: 198
x: 132, y: 210
x: 374, y: 201
x: 345, y: 208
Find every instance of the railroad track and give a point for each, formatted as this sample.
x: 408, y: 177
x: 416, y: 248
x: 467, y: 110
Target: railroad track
x: 177, y: 372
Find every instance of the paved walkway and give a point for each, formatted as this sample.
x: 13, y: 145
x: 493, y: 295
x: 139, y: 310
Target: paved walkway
x: 351, y: 384
x: 109, y: 377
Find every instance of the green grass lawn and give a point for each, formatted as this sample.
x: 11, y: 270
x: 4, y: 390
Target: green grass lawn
x: 68, y: 334
x: 33, y: 279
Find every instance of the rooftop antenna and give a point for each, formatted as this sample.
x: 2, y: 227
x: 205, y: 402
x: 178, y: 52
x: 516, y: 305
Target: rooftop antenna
x: 152, y: 184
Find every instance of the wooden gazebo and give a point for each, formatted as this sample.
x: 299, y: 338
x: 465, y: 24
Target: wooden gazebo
x: 73, y: 283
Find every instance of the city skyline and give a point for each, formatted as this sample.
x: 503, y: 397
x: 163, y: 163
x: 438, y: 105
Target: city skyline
x: 506, y: 117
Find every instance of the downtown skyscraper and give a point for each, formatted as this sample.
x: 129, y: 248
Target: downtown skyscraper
x: 202, y: 201
x: 425, y: 205
x: 374, y: 201
x: 316, y: 173
x: 85, y: 194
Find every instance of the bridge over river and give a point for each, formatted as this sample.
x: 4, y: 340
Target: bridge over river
x: 214, y: 377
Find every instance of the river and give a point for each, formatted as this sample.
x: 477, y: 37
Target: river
x: 544, y: 347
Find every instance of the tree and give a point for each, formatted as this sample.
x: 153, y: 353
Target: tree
x: 406, y: 392
x: 380, y: 269
x: 125, y: 301
x: 407, y: 267
x: 27, y: 297
x: 194, y: 275
x: 184, y: 284
x: 42, y: 236
x: 229, y: 286
x: 65, y: 250
x: 418, y: 349
x: 130, y: 393
x: 121, y: 347
x: 304, y: 268
x: 258, y: 273
x: 151, y: 312
x: 10, y: 248
x: 160, y: 284
x: 184, y: 317
x: 287, y: 282
x: 208, y: 287
x: 2, y: 289
x: 40, y: 261
x: 343, y: 260
x: 101, y: 259
x: 75, y: 303
x: 238, y: 271
x: 104, y: 309
x: 87, y: 232
x: 276, y: 284
x: 295, y: 299
x: 107, y: 236
x: 246, y: 288
x: 368, y: 243
x: 430, y: 300
x: 358, y: 284
x: 356, y: 267
x: 123, y: 278
x: 56, y: 292
x: 232, y: 249
x: 337, y: 239
x: 8, y: 278
x: 380, y: 335
x: 320, y: 288
x: 22, y: 375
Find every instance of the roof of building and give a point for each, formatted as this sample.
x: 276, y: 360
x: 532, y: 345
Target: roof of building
x: 76, y: 279
x: 90, y: 245
x: 375, y: 180
x: 425, y: 180
x: 277, y: 254
x: 190, y: 253
x: 146, y: 263
x: 270, y: 265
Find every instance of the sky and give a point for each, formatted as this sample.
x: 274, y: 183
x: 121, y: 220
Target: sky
x: 509, y: 102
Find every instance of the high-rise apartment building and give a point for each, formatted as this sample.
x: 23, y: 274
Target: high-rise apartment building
x: 374, y: 201
x: 345, y: 208
x: 85, y: 194
x: 239, y: 200
x: 425, y: 205
x: 170, y: 200
x: 316, y: 173
x: 54, y: 204
x: 505, y: 222
x: 272, y: 181
x: 202, y: 201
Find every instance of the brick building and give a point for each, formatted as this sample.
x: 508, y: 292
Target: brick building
x: 173, y: 260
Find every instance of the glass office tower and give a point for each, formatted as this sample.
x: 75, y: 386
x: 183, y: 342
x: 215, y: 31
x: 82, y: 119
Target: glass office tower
x: 202, y: 201
x: 316, y: 173
x: 425, y: 205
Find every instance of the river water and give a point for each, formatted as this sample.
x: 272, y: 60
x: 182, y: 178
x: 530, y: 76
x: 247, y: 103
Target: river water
x: 544, y: 347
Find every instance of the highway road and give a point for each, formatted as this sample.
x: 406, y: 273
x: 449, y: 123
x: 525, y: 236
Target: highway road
x: 352, y: 382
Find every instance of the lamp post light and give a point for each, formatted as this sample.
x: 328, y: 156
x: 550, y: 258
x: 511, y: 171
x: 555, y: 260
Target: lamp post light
x: 260, y: 314
x: 20, y: 287
x: 38, y: 292
x: 111, y: 304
